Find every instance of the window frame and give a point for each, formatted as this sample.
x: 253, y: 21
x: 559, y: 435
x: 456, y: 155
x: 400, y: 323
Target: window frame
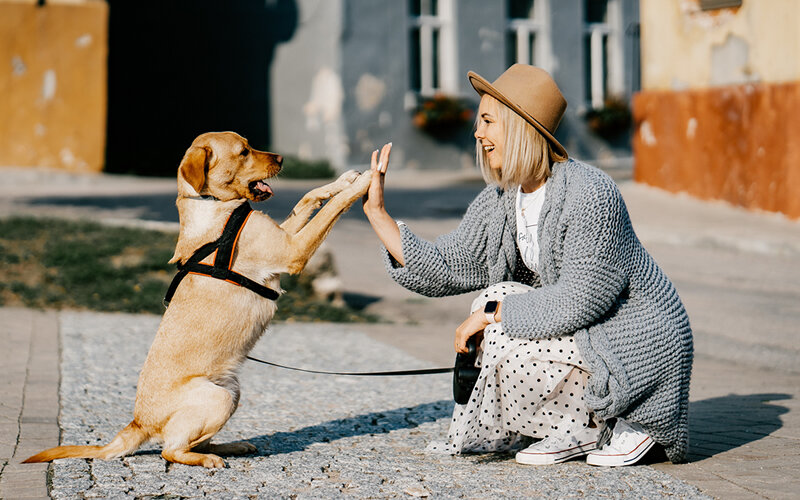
x: 539, y: 26
x: 435, y: 60
x: 606, y: 75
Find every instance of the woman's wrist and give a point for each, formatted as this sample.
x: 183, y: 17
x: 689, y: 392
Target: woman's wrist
x: 375, y: 212
x: 386, y: 228
x: 491, y: 311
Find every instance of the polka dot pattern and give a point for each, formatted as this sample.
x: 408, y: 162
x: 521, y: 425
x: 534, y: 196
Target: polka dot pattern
x: 531, y: 388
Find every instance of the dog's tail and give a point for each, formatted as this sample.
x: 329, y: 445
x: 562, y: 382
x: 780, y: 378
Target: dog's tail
x: 126, y: 441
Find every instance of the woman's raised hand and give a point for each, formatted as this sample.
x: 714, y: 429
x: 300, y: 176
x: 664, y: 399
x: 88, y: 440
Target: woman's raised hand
x: 373, y: 203
x: 382, y: 223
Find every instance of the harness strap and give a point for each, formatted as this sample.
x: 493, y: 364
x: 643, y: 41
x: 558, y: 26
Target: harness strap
x: 225, y: 246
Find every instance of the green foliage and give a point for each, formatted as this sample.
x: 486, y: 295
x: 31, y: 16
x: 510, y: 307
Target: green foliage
x: 295, y: 168
x: 65, y: 264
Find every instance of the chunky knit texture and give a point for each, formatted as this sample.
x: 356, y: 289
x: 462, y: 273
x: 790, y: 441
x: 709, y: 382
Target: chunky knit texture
x: 597, y: 283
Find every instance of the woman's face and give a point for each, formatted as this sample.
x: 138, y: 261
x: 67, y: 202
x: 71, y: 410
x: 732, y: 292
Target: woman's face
x: 490, y: 132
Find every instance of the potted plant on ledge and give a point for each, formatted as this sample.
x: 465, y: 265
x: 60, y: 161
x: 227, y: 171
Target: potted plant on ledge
x: 442, y: 116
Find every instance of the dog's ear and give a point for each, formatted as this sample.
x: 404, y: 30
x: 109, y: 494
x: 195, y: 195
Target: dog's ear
x: 194, y: 167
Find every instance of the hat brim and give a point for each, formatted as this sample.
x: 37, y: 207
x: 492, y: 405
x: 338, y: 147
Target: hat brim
x: 482, y: 86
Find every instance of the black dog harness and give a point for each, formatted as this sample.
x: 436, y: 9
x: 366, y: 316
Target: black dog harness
x: 225, y: 245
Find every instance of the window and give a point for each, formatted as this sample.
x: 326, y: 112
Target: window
x: 431, y: 46
x: 528, y: 38
x: 602, y: 53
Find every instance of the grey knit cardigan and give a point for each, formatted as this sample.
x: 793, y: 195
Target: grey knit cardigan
x: 598, y: 283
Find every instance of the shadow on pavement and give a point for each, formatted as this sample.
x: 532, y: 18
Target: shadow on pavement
x: 370, y: 423
x: 720, y: 424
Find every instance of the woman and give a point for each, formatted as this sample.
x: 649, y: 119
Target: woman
x: 586, y: 345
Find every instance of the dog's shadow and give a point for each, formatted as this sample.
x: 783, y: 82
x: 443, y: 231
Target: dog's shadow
x: 369, y: 423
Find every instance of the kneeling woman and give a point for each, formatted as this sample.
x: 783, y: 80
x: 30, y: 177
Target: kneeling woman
x: 586, y: 346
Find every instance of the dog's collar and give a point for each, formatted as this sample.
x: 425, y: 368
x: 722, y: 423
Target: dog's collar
x: 225, y: 246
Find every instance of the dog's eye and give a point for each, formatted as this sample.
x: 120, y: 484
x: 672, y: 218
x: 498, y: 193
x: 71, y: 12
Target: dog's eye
x: 244, y: 152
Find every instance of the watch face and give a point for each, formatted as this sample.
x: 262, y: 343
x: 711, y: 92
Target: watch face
x: 490, y: 306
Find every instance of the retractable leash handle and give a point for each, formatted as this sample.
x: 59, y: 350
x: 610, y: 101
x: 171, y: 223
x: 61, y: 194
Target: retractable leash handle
x: 465, y: 373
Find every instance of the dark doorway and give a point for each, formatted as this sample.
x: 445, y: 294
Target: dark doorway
x: 179, y: 68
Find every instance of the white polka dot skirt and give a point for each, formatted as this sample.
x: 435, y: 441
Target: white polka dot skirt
x: 526, y: 387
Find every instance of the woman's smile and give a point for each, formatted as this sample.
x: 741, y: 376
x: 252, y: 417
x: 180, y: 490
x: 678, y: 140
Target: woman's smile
x: 490, y: 132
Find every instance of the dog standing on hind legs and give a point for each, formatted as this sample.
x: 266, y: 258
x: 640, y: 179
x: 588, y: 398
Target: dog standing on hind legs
x: 188, y: 388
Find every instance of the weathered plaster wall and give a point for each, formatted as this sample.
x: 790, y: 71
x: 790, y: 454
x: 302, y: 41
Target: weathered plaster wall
x: 53, y: 85
x: 718, y: 118
x: 350, y: 58
x: 307, y: 95
x: 684, y: 47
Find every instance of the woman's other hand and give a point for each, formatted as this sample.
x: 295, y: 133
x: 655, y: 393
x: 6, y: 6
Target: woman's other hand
x: 473, y: 325
x: 380, y: 220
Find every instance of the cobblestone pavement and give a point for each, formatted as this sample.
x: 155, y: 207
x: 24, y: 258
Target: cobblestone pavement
x: 317, y: 436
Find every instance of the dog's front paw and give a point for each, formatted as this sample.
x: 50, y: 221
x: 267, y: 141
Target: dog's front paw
x: 349, y: 177
x: 361, y: 185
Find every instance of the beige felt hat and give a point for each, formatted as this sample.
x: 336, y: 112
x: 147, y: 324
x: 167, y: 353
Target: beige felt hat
x: 531, y: 93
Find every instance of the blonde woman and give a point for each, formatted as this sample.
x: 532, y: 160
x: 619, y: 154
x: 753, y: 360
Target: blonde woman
x: 586, y: 349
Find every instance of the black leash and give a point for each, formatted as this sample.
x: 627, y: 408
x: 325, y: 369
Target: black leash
x: 424, y: 371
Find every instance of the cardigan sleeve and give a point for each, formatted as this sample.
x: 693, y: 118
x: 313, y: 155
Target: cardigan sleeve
x: 591, y: 277
x: 454, y: 263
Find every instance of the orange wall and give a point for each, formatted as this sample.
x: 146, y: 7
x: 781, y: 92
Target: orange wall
x: 736, y: 143
x: 53, y: 85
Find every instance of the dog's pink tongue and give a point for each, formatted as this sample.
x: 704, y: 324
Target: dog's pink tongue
x: 263, y: 186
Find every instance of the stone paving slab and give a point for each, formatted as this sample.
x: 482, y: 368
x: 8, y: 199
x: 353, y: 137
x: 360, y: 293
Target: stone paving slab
x: 28, y: 398
x: 317, y: 436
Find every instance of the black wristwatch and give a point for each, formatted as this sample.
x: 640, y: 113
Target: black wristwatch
x: 489, y: 309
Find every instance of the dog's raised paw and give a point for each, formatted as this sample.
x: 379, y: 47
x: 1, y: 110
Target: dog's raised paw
x: 350, y: 176
x: 363, y: 181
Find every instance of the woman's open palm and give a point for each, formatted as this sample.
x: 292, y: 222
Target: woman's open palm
x: 378, y: 164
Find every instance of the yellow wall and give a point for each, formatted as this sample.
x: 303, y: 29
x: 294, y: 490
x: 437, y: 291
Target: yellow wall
x: 53, y: 78
x: 684, y: 47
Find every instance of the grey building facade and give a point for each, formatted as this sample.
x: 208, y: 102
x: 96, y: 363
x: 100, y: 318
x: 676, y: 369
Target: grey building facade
x: 359, y: 73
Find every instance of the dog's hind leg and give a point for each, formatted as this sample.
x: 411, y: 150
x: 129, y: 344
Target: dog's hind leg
x: 313, y: 200
x: 207, y: 407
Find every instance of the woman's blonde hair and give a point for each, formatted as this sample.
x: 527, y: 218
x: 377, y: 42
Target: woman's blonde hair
x: 527, y: 155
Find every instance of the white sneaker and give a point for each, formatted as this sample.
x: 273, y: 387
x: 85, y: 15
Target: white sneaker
x: 628, y: 444
x: 558, y: 448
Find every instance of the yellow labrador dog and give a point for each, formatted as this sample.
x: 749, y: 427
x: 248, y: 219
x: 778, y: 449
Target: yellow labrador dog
x: 188, y: 387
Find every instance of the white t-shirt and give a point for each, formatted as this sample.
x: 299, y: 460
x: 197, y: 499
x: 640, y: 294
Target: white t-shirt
x: 529, y: 206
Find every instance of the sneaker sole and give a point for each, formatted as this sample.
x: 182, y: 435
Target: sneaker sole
x: 547, y: 458
x: 620, y: 460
